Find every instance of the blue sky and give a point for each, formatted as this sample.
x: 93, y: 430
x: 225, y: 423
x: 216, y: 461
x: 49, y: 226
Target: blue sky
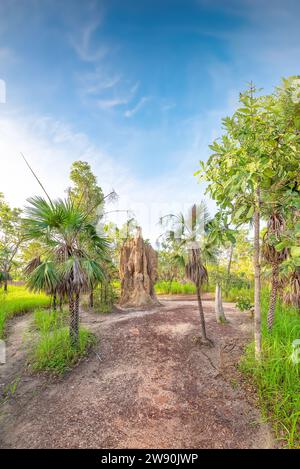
x: 137, y: 88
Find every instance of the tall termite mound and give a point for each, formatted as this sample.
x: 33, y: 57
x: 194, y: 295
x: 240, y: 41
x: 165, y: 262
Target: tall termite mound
x: 138, y: 273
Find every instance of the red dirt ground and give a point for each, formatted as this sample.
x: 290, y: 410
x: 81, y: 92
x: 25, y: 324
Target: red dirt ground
x: 148, y: 384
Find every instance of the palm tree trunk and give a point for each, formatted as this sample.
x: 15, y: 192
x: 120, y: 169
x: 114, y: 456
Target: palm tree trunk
x: 91, y: 299
x: 74, y: 319
x: 273, y: 296
x: 202, y: 319
x: 219, y: 310
x: 54, y: 302
x: 257, y: 280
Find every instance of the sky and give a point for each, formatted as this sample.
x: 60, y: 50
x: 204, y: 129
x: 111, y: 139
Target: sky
x: 137, y: 88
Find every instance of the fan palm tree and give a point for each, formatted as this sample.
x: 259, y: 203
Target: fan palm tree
x: 67, y: 267
x: 275, y: 229
x: 190, y: 234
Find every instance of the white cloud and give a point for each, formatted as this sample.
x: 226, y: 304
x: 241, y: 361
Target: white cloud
x: 111, y: 103
x: 83, y: 44
x: 139, y: 105
x: 51, y: 146
x: 108, y: 103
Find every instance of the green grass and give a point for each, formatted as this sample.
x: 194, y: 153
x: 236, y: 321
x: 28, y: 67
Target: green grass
x: 276, y: 377
x: 53, y: 352
x: 164, y: 288
x: 19, y: 300
x: 188, y: 288
x: 47, y: 321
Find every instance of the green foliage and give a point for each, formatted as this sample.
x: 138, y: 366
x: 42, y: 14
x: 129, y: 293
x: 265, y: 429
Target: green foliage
x: 85, y: 192
x: 19, y: 300
x: 175, y: 288
x: 243, y: 303
x: 54, y: 352
x: 46, y: 321
x: 11, y: 237
x: 276, y: 376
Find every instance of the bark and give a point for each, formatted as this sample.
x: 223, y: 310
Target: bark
x: 257, y: 278
x: 273, y: 296
x: 229, y: 267
x: 201, y: 313
x: 219, y: 310
x: 74, y: 319
x: 5, y: 284
x: 54, y: 302
x: 91, y: 299
x: 138, y: 273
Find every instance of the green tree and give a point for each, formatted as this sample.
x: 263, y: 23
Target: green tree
x: 219, y: 235
x: 256, y: 154
x: 85, y: 192
x: 189, y: 232
x: 67, y: 267
x: 11, y: 238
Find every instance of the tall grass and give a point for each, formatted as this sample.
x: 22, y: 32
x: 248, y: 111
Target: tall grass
x: 166, y: 288
x: 47, y: 321
x: 277, y: 378
x: 54, y: 352
x: 19, y: 300
x: 174, y: 288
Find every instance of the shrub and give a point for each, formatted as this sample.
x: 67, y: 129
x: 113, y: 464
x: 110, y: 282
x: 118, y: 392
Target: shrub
x: 244, y: 304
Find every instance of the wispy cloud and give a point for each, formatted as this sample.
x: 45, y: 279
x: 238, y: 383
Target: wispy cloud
x: 111, y: 103
x: 83, y: 45
x: 139, y: 105
x: 123, y: 98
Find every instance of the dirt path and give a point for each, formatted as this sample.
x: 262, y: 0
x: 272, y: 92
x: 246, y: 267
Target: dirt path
x: 150, y: 385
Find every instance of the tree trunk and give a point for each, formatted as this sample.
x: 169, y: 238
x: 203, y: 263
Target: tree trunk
x: 202, y: 319
x: 257, y: 279
x: 5, y: 283
x: 219, y: 310
x: 61, y: 303
x: 74, y: 320
x: 54, y: 302
x: 273, y: 296
x: 229, y: 268
x: 91, y: 299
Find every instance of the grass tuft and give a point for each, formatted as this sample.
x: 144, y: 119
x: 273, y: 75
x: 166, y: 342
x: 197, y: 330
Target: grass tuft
x: 46, y: 321
x: 54, y: 352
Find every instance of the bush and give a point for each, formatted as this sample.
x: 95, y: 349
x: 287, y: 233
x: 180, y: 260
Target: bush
x: 234, y: 293
x: 276, y: 376
x: 19, y: 300
x: 54, y: 352
x: 244, y: 304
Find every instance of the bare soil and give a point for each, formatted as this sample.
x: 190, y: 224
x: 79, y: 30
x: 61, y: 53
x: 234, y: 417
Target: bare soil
x: 148, y: 383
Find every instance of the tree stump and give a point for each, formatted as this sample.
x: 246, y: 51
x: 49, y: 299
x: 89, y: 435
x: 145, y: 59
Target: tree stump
x: 138, y: 273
